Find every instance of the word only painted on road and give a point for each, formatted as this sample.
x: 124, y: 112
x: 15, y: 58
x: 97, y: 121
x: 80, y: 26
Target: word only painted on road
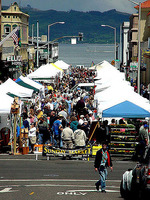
x: 71, y: 193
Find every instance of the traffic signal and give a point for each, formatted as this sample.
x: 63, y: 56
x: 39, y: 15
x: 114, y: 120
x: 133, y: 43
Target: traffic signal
x: 80, y: 36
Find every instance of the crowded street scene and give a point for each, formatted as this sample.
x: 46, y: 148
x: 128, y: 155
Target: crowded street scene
x: 74, y: 107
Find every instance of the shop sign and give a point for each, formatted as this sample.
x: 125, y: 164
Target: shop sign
x: 16, y: 60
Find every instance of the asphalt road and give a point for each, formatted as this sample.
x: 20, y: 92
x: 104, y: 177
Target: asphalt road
x: 23, y: 178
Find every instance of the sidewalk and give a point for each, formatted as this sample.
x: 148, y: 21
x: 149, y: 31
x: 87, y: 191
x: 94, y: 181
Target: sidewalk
x: 32, y: 157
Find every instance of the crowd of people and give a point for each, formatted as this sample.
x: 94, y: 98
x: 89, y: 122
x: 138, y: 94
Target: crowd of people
x: 61, y: 117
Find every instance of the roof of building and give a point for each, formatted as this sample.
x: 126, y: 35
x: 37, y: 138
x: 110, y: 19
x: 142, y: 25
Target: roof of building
x: 14, y: 9
x: 145, y: 4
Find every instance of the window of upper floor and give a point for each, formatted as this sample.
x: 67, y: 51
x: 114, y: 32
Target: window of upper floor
x: 7, y: 29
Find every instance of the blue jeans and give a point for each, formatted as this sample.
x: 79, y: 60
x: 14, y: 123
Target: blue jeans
x: 103, y: 176
x: 40, y: 138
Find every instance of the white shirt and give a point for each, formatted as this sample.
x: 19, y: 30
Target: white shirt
x: 32, y: 132
x: 81, y: 121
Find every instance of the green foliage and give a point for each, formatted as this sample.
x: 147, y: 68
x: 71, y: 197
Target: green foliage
x: 87, y: 22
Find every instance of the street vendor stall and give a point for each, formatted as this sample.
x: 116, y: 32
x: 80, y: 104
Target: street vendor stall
x: 123, y: 137
x: 13, y: 89
x: 46, y: 72
x: 28, y: 83
x: 62, y: 64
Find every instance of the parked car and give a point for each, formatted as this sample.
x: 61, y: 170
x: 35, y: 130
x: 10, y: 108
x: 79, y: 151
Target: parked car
x: 135, y: 183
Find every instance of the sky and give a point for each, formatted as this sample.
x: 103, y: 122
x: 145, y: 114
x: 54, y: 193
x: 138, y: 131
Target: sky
x: 79, y: 5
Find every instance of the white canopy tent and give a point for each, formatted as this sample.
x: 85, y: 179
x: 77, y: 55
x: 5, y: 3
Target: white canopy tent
x: 14, y: 89
x: 5, y: 103
x: 107, y: 71
x: 48, y: 71
x: 112, y: 89
x: 62, y: 64
x: 103, y: 84
x: 26, y: 82
x: 117, y: 94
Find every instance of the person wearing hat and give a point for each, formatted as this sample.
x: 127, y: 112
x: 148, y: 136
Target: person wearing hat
x: 102, y: 161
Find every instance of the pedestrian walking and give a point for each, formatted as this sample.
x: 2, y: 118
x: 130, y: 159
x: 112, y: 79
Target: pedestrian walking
x: 102, y: 161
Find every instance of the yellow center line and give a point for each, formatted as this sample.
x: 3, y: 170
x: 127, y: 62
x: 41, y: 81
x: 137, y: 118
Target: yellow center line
x: 31, y: 193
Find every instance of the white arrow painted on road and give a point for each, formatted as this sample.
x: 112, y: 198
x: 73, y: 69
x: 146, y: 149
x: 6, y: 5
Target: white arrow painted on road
x: 7, y: 190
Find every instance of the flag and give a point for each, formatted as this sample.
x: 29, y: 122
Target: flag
x: 16, y: 37
x: 92, y: 64
x: 10, y: 35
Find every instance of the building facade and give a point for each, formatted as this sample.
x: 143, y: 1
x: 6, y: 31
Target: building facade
x: 133, y: 38
x: 125, y: 43
x: 144, y: 39
x: 12, y: 18
x: 0, y: 28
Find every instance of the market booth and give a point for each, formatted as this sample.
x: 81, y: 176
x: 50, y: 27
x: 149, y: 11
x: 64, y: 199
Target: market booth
x: 28, y: 83
x: 61, y: 64
x: 124, y: 136
x: 46, y: 72
x: 11, y: 88
x: 5, y: 123
x: 115, y: 98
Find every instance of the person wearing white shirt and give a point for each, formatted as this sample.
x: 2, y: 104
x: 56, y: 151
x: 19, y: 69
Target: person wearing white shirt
x: 32, y: 136
x: 81, y: 120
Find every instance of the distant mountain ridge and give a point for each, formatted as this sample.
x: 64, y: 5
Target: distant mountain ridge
x: 76, y: 21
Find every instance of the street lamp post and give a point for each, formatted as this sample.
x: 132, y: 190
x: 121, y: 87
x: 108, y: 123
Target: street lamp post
x: 114, y: 39
x: 139, y: 44
x: 32, y: 33
x: 49, y: 38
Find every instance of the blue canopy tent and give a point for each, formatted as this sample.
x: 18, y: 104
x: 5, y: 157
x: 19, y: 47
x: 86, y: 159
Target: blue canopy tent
x: 126, y: 109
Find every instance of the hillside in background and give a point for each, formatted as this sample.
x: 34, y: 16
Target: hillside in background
x: 87, y: 22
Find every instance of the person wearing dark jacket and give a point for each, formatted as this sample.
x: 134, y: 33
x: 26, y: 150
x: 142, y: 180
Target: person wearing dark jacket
x: 102, y: 161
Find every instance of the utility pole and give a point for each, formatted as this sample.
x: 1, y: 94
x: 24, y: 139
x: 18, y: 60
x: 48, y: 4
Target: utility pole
x: 37, y: 44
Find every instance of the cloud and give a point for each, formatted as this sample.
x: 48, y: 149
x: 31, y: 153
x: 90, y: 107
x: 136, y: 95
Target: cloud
x: 80, y: 5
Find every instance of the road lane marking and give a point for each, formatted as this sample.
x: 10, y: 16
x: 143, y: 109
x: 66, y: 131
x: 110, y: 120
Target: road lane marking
x: 8, y: 190
x: 31, y: 193
x: 54, y: 180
